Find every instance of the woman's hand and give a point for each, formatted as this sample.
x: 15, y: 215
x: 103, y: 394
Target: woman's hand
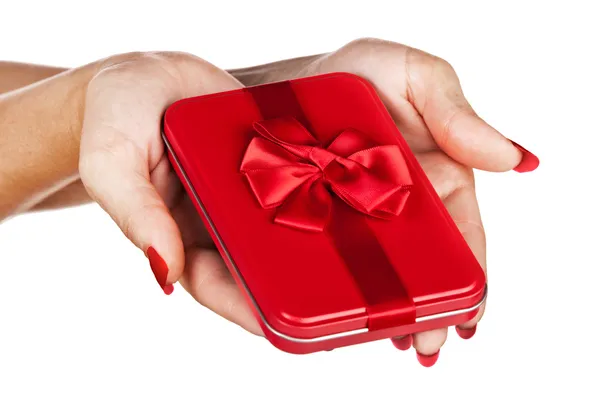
x: 423, y: 95
x: 124, y: 167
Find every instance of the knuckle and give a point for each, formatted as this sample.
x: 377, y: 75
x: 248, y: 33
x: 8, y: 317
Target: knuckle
x: 435, y: 68
x: 173, y: 62
x: 365, y: 42
x: 448, y: 83
x: 127, y: 57
x: 133, y: 55
x: 439, y: 65
x: 461, y: 110
x: 360, y: 54
x: 369, y: 45
x: 177, y: 56
x: 119, y: 62
x: 158, y: 59
x: 156, y: 62
x: 442, y: 65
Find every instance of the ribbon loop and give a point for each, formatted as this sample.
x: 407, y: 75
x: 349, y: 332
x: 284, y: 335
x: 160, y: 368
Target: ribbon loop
x: 288, y: 168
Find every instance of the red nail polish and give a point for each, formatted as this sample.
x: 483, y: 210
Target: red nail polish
x: 160, y: 270
x: 466, y: 333
x: 403, y: 343
x: 168, y: 289
x: 529, y: 162
x: 428, y: 361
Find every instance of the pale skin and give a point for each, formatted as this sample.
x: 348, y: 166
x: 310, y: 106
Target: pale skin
x: 70, y: 136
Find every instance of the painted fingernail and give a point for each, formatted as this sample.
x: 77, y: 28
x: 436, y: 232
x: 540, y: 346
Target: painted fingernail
x: 160, y: 270
x: 466, y: 333
x: 428, y: 361
x: 529, y: 162
x: 403, y: 343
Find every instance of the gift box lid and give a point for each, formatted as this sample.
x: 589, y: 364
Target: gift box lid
x: 319, y: 206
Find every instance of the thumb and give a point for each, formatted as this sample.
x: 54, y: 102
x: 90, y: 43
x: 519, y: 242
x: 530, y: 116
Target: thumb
x: 119, y: 180
x: 120, y: 146
x: 455, y: 126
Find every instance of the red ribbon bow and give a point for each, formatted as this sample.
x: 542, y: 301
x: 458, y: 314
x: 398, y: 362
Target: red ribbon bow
x: 289, y: 169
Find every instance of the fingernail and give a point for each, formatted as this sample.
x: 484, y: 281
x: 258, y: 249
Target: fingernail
x: 428, y: 361
x: 467, y: 333
x: 403, y: 343
x: 160, y: 270
x: 168, y: 289
x: 529, y: 162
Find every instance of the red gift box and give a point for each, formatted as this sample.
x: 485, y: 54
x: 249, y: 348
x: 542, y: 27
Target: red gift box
x: 322, y: 213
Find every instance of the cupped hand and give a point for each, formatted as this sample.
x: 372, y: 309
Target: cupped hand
x: 125, y: 169
x: 424, y: 97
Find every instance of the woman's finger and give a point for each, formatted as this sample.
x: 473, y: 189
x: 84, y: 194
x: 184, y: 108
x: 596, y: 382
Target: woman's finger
x: 428, y: 345
x: 208, y: 280
x: 453, y: 182
x: 404, y: 75
x: 462, y: 206
x: 435, y: 91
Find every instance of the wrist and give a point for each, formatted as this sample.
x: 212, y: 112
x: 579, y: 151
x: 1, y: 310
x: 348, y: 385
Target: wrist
x: 39, y: 147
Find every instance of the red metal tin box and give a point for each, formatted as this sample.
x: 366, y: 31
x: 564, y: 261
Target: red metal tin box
x: 322, y: 213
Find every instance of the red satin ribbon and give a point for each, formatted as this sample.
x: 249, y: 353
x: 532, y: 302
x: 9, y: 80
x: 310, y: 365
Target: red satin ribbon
x: 289, y: 169
x: 285, y: 151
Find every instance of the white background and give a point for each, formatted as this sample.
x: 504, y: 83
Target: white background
x: 81, y: 316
